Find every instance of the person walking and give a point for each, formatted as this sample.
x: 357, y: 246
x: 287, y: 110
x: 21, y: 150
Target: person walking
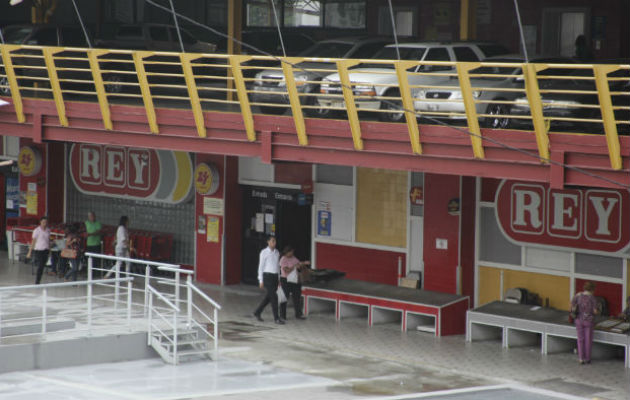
x: 290, y: 267
x: 585, y: 306
x: 268, y: 269
x: 73, y: 243
x: 122, y: 248
x: 39, y: 247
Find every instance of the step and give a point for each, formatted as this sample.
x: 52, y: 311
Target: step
x: 186, y: 342
x: 180, y: 333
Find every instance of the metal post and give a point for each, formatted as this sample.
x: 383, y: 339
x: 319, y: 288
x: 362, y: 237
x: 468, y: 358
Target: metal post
x: 216, y: 333
x: 0, y: 318
x: 129, y: 298
x: 116, y: 284
x: 44, y: 300
x: 189, y: 301
x: 89, y: 295
x: 175, y: 337
x: 149, y: 320
x: 177, y: 289
x: 147, y: 277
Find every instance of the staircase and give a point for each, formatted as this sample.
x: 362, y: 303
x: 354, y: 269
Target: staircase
x: 190, y: 345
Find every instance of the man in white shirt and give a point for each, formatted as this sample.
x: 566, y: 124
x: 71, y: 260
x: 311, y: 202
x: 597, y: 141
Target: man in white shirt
x: 268, y: 269
x: 39, y: 247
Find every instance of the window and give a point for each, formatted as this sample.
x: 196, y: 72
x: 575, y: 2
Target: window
x: 406, y: 53
x: 302, y: 13
x: 465, y: 54
x: 345, y: 14
x: 260, y: 13
x: 437, y: 54
x: 159, y: 33
x: 334, y: 174
x: 367, y: 50
x: 328, y: 49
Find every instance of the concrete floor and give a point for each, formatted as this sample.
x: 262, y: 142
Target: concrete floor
x: 321, y: 358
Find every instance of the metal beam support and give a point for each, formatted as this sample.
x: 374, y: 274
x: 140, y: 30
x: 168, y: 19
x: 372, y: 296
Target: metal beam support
x: 99, y: 86
x: 6, y: 50
x: 294, y: 99
x: 608, y: 114
x: 348, y: 96
x: 193, y: 92
x: 536, y: 108
x: 49, y: 59
x: 241, y: 90
x: 145, y: 89
x: 407, y: 103
x: 471, y: 108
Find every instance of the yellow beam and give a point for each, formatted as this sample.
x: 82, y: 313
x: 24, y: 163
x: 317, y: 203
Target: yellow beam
x: 138, y: 60
x: 351, y: 108
x: 467, y: 19
x: 234, y: 30
x: 471, y: 109
x: 536, y: 108
x: 608, y: 114
x: 407, y: 103
x: 294, y: 100
x: 193, y: 93
x: 99, y: 86
x: 6, y: 50
x: 54, y: 83
x: 241, y: 91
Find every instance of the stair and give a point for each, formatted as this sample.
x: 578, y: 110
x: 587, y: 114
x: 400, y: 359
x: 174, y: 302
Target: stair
x: 190, y: 346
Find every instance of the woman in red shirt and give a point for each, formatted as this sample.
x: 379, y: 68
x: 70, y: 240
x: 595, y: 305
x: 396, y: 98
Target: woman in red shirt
x: 290, y: 267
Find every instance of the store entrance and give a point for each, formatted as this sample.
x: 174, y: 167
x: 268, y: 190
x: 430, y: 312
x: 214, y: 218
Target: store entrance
x: 279, y: 212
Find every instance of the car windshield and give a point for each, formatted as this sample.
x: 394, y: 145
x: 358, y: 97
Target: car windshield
x: 491, y: 50
x: 327, y: 50
x: 389, y: 53
x: 17, y: 35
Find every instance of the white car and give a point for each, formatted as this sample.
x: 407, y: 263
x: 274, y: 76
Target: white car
x: 373, y: 82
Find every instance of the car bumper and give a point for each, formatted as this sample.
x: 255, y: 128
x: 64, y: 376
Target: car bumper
x: 452, y: 110
x: 338, y: 103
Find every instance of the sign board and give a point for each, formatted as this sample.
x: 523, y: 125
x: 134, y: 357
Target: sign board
x: 587, y: 219
x: 29, y: 161
x: 206, y: 179
x: 213, y: 206
x: 131, y: 173
x: 323, y: 223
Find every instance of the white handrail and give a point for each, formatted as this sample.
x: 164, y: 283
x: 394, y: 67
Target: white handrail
x: 203, y: 295
x: 64, y: 284
x: 131, y: 260
x: 164, y: 299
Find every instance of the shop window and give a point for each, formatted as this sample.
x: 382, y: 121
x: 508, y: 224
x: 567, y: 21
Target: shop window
x: 493, y: 246
x: 260, y: 13
x: 334, y: 213
x: 334, y: 174
x: 592, y: 264
x: 345, y: 14
x: 303, y: 13
x: 547, y: 259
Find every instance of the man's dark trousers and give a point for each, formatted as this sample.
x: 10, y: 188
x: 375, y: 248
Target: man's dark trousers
x: 270, y: 282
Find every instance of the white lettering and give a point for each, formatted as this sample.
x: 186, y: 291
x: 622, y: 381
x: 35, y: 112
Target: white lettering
x: 90, y: 159
x: 115, y: 172
x: 531, y: 207
x: 139, y: 164
x: 562, y: 209
x: 603, y: 214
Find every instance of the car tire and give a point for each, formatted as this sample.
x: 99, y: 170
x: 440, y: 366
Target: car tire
x: 497, y: 122
x: 318, y: 112
x: 272, y: 110
x: 5, y: 90
x: 114, y: 83
x: 391, y: 105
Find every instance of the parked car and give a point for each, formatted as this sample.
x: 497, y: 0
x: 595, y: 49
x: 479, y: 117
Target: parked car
x: 31, y: 70
x: 374, y: 81
x: 270, y: 85
x: 491, y: 91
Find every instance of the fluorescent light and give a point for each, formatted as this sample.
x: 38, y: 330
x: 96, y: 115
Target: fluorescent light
x: 6, y: 163
x: 3, y: 103
x: 15, y: 2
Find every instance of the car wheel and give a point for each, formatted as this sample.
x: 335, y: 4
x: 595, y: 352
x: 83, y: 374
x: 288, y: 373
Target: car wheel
x: 114, y: 83
x: 272, y: 110
x: 496, y: 121
x: 5, y: 89
x: 318, y: 112
x: 391, y: 105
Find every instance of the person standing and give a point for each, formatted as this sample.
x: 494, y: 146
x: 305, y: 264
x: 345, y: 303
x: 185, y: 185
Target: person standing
x: 73, y: 242
x: 268, y: 269
x: 122, y: 248
x: 39, y: 247
x: 585, y: 306
x: 94, y: 229
x: 290, y: 267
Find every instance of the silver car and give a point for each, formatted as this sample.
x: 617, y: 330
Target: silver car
x: 270, y: 86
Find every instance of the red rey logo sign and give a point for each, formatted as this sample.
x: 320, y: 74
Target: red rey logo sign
x: 141, y: 174
x: 589, y: 219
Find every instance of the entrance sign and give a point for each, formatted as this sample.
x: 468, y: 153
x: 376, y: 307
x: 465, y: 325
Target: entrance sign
x: 588, y: 219
x: 139, y: 174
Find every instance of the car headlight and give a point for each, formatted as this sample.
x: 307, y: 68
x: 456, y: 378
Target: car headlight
x: 258, y: 79
x: 419, y: 94
x: 364, y: 90
x: 300, y: 80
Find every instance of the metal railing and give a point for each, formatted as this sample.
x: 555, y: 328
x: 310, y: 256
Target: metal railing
x: 589, y: 98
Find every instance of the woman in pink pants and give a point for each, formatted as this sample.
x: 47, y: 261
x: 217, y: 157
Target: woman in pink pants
x: 585, y: 305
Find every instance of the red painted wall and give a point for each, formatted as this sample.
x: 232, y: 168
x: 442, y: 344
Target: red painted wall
x: 55, y: 181
x: 440, y: 265
x: 360, y: 263
x: 489, y: 188
x: 295, y: 173
x: 208, y: 259
x: 233, y: 229
x: 612, y: 292
x: 39, y: 179
x: 468, y: 236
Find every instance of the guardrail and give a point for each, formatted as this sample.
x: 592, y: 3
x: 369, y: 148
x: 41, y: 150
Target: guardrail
x: 589, y: 98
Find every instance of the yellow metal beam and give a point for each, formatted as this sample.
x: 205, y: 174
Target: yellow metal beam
x: 294, y: 100
x: 536, y: 108
x: 407, y: 103
x: 608, y: 114
x: 348, y: 96
x: 471, y: 109
x: 6, y: 50
x: 193, y: 92
x: 49, y: 58
x: 138, y: 60
x: 99, y: 86
x: 241, y: 91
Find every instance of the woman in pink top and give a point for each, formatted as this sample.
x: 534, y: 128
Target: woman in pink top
x: 39, y: 247
x: 290, y: 267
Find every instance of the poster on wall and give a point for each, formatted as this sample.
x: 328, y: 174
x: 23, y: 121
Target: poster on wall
x: 13, y: 197
x: 324, y: 222
x: 31, y: 202
x: 201, y: 225
x: 213, y: 229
